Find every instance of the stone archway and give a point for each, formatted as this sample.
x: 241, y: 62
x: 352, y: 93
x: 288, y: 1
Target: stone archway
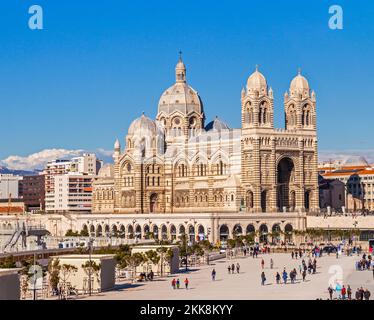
x: 201, y: 232
x: 237, y: 230
x: 264, y: 233
x: 130, y: 232
x: 224, y: 233
x: 191, y: 233
x: 153, y: 203
x: 164, y: 232
x: 288, y: 231
x: 249, y: 200
x: 92, y: 230
x: 155, y: 232
x: 251, y: 229
x: 182, y: 231
x: 264, y: 195
x: 276, y: 233
x: 99, y: 231
x: 122, y: 231
x: 173, y: 232
x: 307, y: 200
x: 138, y: 232
x: 285, y: 176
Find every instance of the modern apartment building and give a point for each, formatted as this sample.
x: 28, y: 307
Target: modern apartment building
x: 58, y: 175
x: 73, y: 192
x: 32, y: 192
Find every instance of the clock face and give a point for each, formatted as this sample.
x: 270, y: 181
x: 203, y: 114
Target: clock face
x: 192, y: 121
x: 177, y: 121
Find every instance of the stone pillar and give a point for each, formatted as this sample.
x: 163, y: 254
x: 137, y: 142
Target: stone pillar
x: 300, y: 190
x: 255, y: 169
x: 315, y: 195
x: 273, y: 176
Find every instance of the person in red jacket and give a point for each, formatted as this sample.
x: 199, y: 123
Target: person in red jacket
x: 186, y: 282
x: 344, y: 292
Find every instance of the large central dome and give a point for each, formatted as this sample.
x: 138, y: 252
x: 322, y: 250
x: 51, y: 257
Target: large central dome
x: 180, y: 97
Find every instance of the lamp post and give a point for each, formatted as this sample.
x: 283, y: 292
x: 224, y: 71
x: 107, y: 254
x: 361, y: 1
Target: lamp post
x: 185, y: 237
x: 90, y: 246
x: 355, y: 226
x: 133, y: 229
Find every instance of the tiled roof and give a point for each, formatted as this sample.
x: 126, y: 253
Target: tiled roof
x: 11, y: 210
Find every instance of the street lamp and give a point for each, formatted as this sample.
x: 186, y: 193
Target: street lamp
x: 185, y: 237
x: 90, y: 246
x: 133, y: 230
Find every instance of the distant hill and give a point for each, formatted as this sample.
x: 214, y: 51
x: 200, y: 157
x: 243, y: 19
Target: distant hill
x: 4, y: 170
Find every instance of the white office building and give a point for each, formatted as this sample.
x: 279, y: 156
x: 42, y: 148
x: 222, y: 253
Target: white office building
x: 9, y: 186
x: 60, y: 174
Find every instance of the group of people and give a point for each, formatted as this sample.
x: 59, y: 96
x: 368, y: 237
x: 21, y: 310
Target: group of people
x: 231, y: 268
x: 311, y: 268
x: 366, y: 263
x: 146, y: 276
x: 345, y: 293
x: 175, y: 283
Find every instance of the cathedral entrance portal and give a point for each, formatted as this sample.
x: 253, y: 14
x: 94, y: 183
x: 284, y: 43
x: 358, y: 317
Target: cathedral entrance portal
x: 286, y: 173
x: 153, y: 203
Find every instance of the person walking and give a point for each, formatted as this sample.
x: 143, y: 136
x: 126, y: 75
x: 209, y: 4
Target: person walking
x: 331, y: 291
x: 178, y: 284
x: 262, y: 263
x: 285, y: 276
x: 367, y: 294
x: 304, y: 275
x: 233, y: 268
x: 292, y: 254
x: 186, y: 283
x: 263, y: 278
x: 214, y: 274
x: 357, y: 294
x: 277, y: 278
x: 344, y: 292
x: 271, y: 263
x: 229, y: 269
x: 173, y: 283
x: 238, y: 267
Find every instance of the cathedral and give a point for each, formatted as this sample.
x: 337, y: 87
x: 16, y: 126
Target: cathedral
x: 179, y: 165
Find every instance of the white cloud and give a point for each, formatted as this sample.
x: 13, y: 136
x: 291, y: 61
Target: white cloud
x: 327, y: 155
x: 38, y: 160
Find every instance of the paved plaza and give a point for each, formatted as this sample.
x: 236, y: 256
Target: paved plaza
x: 247, y: 284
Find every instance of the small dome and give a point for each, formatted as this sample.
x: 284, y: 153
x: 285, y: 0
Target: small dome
x: 106, y: 171
x: 217, y: 125
x: 354, y: 161
x: 299, y: 85
x: 142, y: 126
x: 257, y: 82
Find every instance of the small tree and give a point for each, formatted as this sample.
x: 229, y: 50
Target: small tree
x: 71, y: 233
x: 91, y: 268
x: 54, y: 269
x: 84, y: 233
x: 133, y: 261
x: 66, y: 271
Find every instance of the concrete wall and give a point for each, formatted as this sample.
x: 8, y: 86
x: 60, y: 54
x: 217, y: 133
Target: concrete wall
x: 9, y: 285
x: 341, y: 222
x: 79, y: 280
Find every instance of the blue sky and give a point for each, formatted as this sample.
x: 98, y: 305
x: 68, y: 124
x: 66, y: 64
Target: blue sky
x: 97, y: 65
